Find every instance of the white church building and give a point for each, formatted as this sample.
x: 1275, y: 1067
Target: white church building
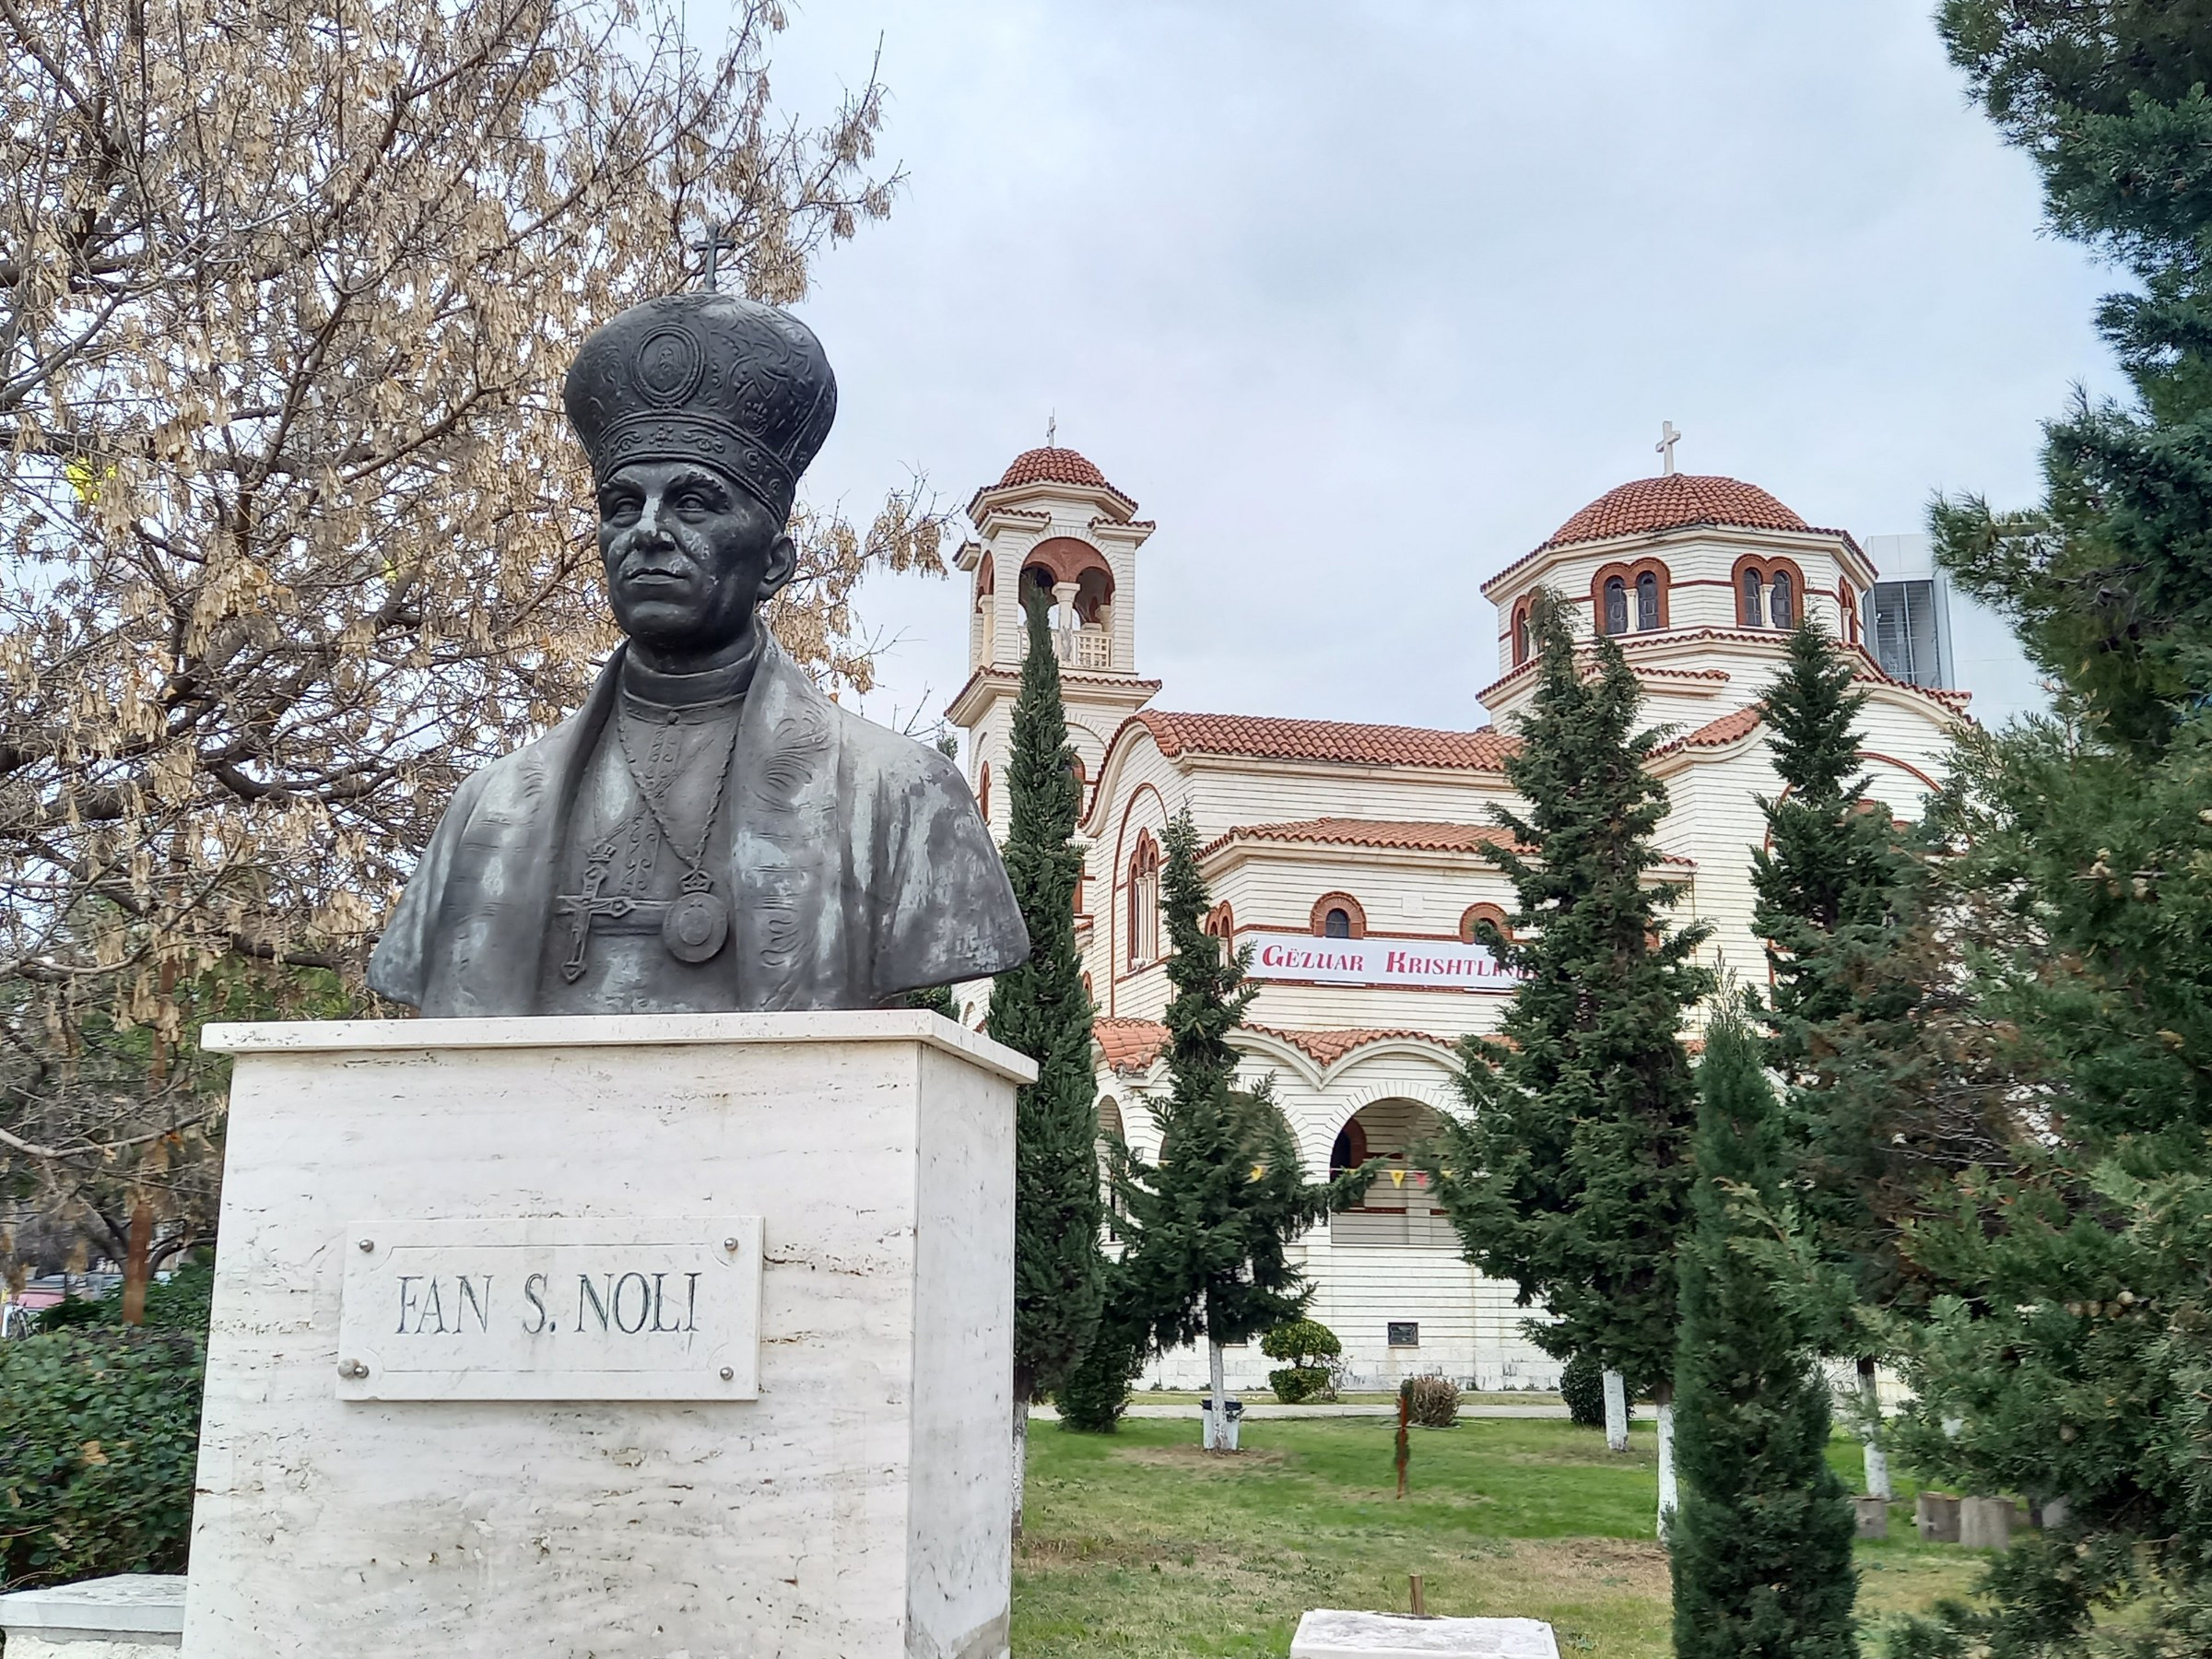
x: 1350, y: 856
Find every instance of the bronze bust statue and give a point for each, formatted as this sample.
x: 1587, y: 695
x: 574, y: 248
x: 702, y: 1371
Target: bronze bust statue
x: 709, y: 832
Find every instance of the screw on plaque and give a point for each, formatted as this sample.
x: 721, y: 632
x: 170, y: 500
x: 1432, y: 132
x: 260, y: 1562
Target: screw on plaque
x: 352, y: 1368
x: 367, y: 1245
x: 727, y: 1375
x: 729, y: 1244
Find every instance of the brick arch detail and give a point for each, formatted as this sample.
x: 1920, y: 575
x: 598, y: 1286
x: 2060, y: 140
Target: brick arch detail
x: 1628, y: 572
x: 1766, y: 564
x: 1522, y: 639
x: 1353, y: 1103
x: 1484, y: 911
x: 1067, y: 557
x: 1344, y: 903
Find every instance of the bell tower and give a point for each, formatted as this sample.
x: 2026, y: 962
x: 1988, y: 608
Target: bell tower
x: 1052, y: 524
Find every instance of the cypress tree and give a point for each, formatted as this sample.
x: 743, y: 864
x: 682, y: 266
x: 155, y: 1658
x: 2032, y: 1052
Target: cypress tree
x: 1040, y: 1008
x: 1210, y: 1224
x: 1830, y: 887
x: 1761, y: 1547
x: 1825, y: 884
x: 1569, y: 1173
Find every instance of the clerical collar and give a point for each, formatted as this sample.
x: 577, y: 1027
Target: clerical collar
x: 687, y: 690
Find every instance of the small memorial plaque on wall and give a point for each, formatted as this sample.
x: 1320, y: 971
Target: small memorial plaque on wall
x: 551, y: 1309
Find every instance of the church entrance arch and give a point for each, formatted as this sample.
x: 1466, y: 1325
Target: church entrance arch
x: 1398, y: 1209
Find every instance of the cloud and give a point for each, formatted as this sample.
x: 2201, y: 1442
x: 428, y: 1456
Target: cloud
x: 1361, y: 301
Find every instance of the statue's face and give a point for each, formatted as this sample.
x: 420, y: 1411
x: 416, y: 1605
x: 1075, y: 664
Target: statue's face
x: 688, y: 554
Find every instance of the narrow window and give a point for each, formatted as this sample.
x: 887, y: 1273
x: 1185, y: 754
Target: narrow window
x: 1336, y: 925
x: 1521, y: 636
x: 1781, y: 609
x: 1144, y: 904
x: 1617, y: 606
x: 1647, y: 602
x: 1747, y: 606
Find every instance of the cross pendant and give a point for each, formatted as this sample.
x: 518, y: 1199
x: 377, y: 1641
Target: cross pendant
x: 582, y: 906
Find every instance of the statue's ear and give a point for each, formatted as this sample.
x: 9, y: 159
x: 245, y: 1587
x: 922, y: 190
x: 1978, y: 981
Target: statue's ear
x: 782, y: 560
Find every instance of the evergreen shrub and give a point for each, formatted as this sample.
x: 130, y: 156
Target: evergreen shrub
x: 1583, y: 1386
x: 1430, y: 1402
x: 1092, y: 1397
x: 1312, y: 1350
x: 99, y: 1437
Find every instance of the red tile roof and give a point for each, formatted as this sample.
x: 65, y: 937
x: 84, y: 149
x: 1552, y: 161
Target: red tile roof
x: 1419, y: 835
x: 1055, y: 465
x: 1414, y: 835
x: 1717, y: 733
x: 1330, y: 1046
x: 1132, y: 1045
x: 1672, y: 502
x: 1669, y: 503
x: 1329, y: 740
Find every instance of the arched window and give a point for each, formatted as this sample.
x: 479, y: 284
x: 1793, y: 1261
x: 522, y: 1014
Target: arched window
x: 1847, y: 608
x: 1220, y: 921
x: 1520, y: 634
x: 1144, y: 904
x: 1647, y: 602
x: 1491, y: 913
x: 1770, y: 593
x: 982, y: 791
x: 1617, y: 606
x: 1334, y: 911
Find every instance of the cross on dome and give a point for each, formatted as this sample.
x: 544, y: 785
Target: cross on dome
x: 1668, y: 438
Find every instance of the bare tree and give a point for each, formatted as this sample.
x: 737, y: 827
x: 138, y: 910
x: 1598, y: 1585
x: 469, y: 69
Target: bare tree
x: 293, y: 536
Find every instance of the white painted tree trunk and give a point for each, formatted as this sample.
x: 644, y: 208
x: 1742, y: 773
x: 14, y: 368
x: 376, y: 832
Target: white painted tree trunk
x: 1877, y: 1461
x: 1021, y: 1458
x: 1616, y: 1412
x: 1667, y: 1465
x: 1217, y: 1421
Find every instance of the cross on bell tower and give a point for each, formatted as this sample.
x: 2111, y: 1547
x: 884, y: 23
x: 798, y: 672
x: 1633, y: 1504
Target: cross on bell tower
x: 1668, y: 438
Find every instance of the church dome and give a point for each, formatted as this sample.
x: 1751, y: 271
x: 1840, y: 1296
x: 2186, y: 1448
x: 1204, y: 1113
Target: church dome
x: 1052, y: 465
x: 1672, y: 502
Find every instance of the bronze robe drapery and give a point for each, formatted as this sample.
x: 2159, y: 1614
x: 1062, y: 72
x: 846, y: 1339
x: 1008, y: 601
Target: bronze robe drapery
x: 858, y: 865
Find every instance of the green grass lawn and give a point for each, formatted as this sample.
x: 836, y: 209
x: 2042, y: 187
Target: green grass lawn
x: 1138, y: 1544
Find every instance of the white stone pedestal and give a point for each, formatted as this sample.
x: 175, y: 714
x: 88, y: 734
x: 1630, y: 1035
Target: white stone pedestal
x: 604, y: 1487
x: 1331, y: 1633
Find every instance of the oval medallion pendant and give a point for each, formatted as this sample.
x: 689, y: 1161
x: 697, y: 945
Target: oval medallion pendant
x: 695, y: 926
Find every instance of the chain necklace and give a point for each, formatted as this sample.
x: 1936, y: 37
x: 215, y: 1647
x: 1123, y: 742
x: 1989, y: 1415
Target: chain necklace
x: 698, y: 920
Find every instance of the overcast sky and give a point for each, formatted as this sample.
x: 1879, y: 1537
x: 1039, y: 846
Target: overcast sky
x: 1361, y: 302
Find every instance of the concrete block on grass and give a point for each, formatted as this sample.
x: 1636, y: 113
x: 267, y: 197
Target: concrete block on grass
x: 1328, y: 1633
x: 1935, y: 1517
x: 1985, y: 1523
x: 1873, y: 1516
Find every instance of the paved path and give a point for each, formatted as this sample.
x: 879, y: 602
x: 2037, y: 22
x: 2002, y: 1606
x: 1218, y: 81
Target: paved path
x: 1256, y: 1410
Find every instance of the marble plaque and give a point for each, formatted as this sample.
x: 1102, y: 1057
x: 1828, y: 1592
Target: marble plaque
x: 551, y: 1307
